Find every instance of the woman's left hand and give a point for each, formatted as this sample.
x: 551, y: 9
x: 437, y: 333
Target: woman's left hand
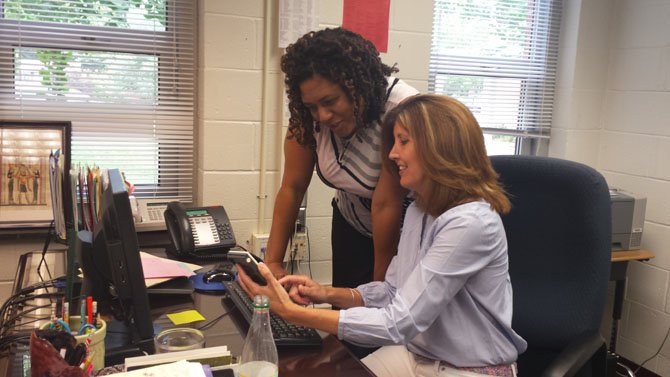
x: 280, y: 302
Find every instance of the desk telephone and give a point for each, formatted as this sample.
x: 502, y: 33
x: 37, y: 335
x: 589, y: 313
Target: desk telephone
x: 198, y: 231
x: 148, y: 213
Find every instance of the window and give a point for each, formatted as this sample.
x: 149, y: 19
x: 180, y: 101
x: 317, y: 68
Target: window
x: 499, y: 58
x: 122, y: 71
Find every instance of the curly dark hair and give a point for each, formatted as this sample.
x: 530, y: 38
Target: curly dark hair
x: 344, y: 58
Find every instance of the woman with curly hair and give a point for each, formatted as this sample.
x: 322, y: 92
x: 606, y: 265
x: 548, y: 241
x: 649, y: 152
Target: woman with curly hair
x: 445, y: 306
x: 338, y: 90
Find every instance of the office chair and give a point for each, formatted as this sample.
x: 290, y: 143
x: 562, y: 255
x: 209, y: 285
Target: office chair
x: 559, y: 238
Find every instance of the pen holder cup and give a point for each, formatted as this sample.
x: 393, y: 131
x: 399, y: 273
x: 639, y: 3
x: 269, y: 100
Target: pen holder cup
x: 97, y: 340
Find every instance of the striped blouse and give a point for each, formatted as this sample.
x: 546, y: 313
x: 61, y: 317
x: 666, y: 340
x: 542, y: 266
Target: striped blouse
x: 352, y: 166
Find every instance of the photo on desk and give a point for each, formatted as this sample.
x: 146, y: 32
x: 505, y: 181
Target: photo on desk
x: 34, y: 157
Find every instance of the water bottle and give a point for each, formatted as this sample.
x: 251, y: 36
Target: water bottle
x: 259, y: 355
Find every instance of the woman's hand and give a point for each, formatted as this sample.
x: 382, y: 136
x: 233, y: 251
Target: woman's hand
x: 304, y: 290
x: 277, y: 269
x: 280, y: 302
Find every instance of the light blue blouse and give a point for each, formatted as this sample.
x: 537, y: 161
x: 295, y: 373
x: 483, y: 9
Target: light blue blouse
x: 447, y: 294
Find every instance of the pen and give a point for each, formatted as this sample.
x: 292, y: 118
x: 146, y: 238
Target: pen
x: 87, y: 362
x: 89, y: 307
x: 83, y: 310
x: 94, y: 312
x: 66, y: 313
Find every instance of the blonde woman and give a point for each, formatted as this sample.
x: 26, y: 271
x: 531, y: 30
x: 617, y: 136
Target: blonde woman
x: 445, y: 307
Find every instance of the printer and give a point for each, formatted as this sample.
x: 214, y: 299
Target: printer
x: 628, y: 211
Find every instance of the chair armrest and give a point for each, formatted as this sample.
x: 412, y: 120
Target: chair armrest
x: 575, y: 355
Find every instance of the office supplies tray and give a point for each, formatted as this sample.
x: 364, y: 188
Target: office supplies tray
x: 284, y: 333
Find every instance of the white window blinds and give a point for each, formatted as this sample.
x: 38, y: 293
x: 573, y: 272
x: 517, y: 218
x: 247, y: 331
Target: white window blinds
x: 499, y: 58
x: 122, y: 71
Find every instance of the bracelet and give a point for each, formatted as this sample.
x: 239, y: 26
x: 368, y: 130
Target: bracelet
x: 353, y: 298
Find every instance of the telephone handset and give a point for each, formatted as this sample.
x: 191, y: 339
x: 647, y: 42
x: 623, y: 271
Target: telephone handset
x: 198, y: 231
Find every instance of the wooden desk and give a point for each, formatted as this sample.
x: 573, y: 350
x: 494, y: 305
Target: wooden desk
x: 332, y: 359
x: 620, y: 260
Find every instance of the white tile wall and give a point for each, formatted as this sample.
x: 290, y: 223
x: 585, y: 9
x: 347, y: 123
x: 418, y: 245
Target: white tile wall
x: 642, y: 277
x: 577, y: 144
x: 641, y: 23
x: 637, y: 69
x: 575, y: 108
x: 226, y: 145
x: 644, y: 325
x: 644, y: 112
x: 251, y: 8
x: 627, y: 152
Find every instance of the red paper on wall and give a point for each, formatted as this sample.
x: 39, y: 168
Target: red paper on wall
x: 369, y: 18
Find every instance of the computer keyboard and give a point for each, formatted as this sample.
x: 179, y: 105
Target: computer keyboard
x: 284, y: 333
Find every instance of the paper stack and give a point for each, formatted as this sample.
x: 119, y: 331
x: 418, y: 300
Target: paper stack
x: 212, y: 356
x: 158, y: 270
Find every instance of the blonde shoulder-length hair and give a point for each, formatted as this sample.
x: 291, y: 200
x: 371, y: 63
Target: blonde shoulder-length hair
x: 450, y: 146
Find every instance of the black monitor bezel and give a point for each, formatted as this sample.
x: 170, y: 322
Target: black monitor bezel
x: 114, y: 271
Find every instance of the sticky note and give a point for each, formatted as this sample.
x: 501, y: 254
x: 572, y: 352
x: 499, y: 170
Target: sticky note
x: 187, y: 316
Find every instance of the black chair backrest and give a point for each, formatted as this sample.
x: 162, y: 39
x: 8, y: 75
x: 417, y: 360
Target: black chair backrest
x: 559, y: 237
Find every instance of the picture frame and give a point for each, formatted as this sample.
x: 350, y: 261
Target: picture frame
x: 26, y: 150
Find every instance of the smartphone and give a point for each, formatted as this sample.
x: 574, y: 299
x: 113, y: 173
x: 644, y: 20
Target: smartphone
x: 248, y: 263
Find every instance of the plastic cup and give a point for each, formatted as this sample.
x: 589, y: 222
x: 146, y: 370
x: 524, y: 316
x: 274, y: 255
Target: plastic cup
x: 179, y: 339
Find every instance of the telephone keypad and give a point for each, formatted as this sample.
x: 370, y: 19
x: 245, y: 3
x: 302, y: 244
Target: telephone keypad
x: 155, y: 214
x: 225, y: 230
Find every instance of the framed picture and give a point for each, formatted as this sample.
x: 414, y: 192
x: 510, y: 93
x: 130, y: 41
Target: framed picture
x: 34, y: 172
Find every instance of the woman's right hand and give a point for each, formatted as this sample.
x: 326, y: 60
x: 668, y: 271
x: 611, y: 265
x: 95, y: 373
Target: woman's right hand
x: 277, y: 269
x: 303, y: 290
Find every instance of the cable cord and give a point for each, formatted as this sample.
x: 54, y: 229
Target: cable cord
x: 26, y: 294
x: 309, y: 253
x: 290, y: 250
x: 656, y: 354
x: 213, y: 322
x: 44, y: 252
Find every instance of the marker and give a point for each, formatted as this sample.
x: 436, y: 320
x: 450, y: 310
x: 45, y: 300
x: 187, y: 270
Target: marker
x: 89, y: 306
x: 66, y: 313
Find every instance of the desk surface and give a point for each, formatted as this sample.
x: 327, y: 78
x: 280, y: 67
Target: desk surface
x: 628, y: 255
x: 331, y: 359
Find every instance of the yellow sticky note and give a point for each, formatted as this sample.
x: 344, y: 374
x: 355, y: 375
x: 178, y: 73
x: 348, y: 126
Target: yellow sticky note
x: 187, y: 316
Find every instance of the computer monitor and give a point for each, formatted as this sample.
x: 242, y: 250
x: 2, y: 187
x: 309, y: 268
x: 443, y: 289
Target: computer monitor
x: 110, y: 261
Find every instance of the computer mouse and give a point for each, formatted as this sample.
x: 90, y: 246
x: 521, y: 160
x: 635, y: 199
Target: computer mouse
x: 218, y: 274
